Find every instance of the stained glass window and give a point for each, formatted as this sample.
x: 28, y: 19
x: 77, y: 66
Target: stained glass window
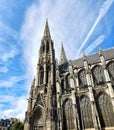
x: 105, y: 110
x: 98, y: 75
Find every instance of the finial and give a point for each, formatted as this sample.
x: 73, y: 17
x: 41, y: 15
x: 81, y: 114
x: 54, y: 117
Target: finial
x: 84, y: 56
x: 99, y: 50
x: 62, y: 45
x: 46, y: 30
x: 63, y: 58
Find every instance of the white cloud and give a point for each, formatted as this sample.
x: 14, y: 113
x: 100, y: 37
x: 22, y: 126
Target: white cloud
x: 17, y: 109
x: 11, y: 81
x: 1, y: 105
x: 105, y: 7
x: 2, y: 40
x: 7, y: 49
x: 6, y: 98
x: 4, y: 57
x: 8, y: 52
x: 4, y: 69
x: 8, y: 30
x: 68, y: 22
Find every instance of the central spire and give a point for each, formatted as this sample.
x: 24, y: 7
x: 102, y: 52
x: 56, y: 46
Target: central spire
x: 46, y: 30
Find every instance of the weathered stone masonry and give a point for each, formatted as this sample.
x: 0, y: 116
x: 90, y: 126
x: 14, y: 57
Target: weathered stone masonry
x: 71, y: 95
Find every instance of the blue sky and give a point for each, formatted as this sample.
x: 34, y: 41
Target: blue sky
x: 81, y: 25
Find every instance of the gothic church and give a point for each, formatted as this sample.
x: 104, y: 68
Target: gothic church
x: 71, y: 95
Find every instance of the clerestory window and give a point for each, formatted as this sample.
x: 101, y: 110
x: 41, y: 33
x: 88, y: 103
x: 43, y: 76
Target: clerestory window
x: 98, y: 75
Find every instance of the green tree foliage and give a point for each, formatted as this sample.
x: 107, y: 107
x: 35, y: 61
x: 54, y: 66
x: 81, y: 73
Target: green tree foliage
x: 18, y: 126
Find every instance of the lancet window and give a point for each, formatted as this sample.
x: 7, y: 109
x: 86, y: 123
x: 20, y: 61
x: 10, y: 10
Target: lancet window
x: 110, y: 68
x: 68, y: 82
x: 62, y: 86
x: 41, y: 74
x: 42, y: 47
x: 86, y: 113
x: 47, y: 47
x: 82, y: 78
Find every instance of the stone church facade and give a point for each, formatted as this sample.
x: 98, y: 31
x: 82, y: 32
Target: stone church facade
x: 71, y: 95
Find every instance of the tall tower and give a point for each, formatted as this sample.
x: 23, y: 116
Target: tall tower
x: 42, y: 101
x: 46, y: 64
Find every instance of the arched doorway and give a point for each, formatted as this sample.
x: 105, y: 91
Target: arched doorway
x: 38, y: 119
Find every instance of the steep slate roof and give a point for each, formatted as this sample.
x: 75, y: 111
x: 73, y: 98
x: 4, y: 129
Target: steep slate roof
x: 92, y: 59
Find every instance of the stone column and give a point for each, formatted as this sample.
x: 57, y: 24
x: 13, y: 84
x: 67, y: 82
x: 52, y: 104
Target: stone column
x: 52, y: 64
x: 52, y: 73
x: 45, y: 73
x: 34, y: 97
x: 95, y: 117
x: 76, y: 117
x: 59, y: 118
x: 76, y: 79
x: 26, y: 122
x: 108, y: 82
x: 26, y: 125
x: 45, y: 68
x: 49, y: 109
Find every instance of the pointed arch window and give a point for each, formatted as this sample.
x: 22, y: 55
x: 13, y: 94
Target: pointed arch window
x: 62, y: 85
x: 98, y: 75
x: 68, y: 82
x: 47, y: 47
x: 43, y: 47
x: 82, y: 78
x: 48, y: 75
x: 86, y: 112
x: 41, y: 75
x: 68, y: 116
x: 105, y: 110
x: 110, y: 68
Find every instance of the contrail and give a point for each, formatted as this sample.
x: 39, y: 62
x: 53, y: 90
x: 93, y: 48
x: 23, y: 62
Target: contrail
x: 88, y: 36
x: 94, y: 44
x: 103, y: 10
x: 106, y: 5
